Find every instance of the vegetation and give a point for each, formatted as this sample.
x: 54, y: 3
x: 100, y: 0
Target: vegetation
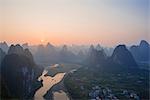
x: 63, y: 67
x: 131, y: 80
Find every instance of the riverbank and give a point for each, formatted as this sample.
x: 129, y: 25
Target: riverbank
x: 68, y: 68
x: 59, y: 88
x: 47, y: 83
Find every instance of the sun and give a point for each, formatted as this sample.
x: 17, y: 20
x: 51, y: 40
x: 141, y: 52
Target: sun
x: 42, y: 40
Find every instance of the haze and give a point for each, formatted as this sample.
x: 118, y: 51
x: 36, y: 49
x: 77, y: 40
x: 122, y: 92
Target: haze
x: 108, y: 22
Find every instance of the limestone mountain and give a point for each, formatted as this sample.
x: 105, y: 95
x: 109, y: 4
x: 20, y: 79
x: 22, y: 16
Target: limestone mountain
x: 98, y: 47
x: 46, y: 54
x: 65, y: 55
x: 25, y: 45
x: 96, y: 57
x: 2, y: 55
x: 141, y: 52
x: 4, y: 46
x: 18, y: 72
x: 123, y: 56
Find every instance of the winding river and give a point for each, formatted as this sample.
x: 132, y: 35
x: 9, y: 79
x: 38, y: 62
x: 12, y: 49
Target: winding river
x: 61, y: 95
x: 47, y: 83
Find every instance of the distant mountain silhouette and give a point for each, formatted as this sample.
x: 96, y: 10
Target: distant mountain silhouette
x: 123, y: 56
x: 16, y: 49
x: 50, y: 46
x: 96, y: 57
x: 2, y: 55
x: 98, y: 47
x: 19, y: 72
x: 46, y: 54
x: 65, y: 55
x: 108, y: 51
x: 25, y: 45
x: 81, y: 56
x: 120, y: 59
x: 50, y: 54
x: 141, y: 52
x: 4, y: 46
x: 91, y: 49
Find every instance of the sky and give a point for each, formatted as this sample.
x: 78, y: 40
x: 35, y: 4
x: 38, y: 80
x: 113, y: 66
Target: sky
x: 108, y: 22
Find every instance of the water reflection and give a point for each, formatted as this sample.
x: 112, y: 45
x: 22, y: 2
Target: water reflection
x: 47, y: 82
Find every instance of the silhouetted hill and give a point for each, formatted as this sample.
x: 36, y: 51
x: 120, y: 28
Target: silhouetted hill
x: 123, y: 56
x: 46, y: 54
x: 81, y: 56
x: 13, y: 67
x: 50, y: 46
x: 66, y: 56
x: 25, y: 45
x: 96, y: 57
x: 2, y: 55
x: 98, y: 47
x: 52, y: 53
x: 19, y: 73
x: 4, y: 46
x: 16, y: 49
x: 141, y: 52
x: 120, y: 59
x: 91, y: 49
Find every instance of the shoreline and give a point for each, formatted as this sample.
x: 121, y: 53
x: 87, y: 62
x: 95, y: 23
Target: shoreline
x: 60, y: 86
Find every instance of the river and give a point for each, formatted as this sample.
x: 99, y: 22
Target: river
x: 61, y: 95
x: 47, y: 83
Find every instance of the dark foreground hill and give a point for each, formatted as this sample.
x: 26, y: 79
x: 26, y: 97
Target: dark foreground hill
x: 18, y: 73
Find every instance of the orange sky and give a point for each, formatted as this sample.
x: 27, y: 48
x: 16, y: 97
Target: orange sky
x: 108, y: 22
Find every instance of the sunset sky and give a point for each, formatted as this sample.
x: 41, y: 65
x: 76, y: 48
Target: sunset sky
x: 108, y: 22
